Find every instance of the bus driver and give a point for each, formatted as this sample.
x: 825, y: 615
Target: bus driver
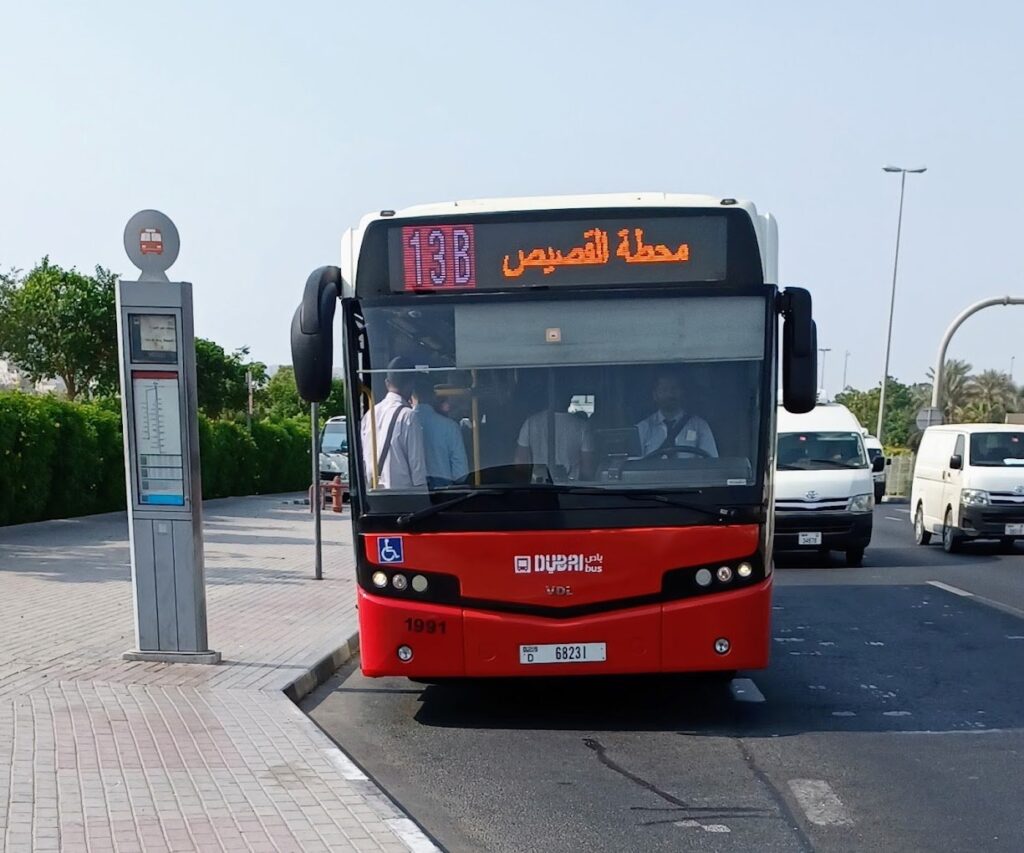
x: 671, y: 425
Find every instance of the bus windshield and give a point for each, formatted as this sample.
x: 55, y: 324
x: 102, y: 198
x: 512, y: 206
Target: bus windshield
x: 658, y: 392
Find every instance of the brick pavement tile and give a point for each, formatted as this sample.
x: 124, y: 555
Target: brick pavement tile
x: 156, y: 755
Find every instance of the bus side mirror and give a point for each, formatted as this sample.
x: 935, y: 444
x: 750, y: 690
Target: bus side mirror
x: 799, y: 352
x: 312, y: 334
x: 878, y: 464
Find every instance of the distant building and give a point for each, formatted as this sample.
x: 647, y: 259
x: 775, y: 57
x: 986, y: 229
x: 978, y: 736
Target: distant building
x: 12, y: 379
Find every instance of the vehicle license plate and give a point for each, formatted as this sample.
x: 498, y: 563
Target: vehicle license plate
x: 809, y: 538
x: 563, y: 653
x: 1015, y: 529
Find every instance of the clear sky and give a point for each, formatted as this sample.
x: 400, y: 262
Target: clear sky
x: 265, y: 129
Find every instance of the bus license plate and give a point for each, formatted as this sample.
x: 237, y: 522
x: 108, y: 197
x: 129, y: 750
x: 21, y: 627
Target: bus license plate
x: 1015, y: 529
x: 563, y: 653
x: 810, y: 538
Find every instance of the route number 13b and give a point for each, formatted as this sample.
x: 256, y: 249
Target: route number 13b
x: 439, y: 256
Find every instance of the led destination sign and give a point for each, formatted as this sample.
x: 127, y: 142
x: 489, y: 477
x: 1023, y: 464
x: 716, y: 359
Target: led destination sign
x: 491, y: 256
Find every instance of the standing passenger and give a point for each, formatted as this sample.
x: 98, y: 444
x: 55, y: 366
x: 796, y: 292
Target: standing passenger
x: 442, y: 438
x: 400, y: 463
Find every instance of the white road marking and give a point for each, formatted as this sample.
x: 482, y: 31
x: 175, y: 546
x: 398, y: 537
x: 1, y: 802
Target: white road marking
x: 873, y: 643
x: 789, y: 639
x: 412, y: 836
x: 844, y: 713
x: 893, y: 518
x: 744, y: 690
x: 953, y: 589
x: 896, y: 713
x: 820, y: 803
x: 1015, y: 636
x: 689, y: 823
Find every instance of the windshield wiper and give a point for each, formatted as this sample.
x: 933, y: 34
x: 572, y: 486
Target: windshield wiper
x: 836, y: 463
x: 719, y: 513
x: 427, y: 511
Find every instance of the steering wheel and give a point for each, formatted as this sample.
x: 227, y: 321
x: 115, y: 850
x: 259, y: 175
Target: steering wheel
x: 664, y: 452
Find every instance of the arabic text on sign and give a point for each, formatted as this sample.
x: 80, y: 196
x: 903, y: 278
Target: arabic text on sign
x: 594, y: 252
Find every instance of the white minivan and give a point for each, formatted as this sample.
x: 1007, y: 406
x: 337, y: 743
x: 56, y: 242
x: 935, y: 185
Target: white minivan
x: 969, y: 484
x: 824, y: 494
x: 875, y: 450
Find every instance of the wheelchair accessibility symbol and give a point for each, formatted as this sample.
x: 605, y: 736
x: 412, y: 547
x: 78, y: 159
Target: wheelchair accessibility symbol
x: 389, y: 550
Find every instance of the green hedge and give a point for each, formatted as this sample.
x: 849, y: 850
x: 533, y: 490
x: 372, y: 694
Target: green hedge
x: 61, y: 459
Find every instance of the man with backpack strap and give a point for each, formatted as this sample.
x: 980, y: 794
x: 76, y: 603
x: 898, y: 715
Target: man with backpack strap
x: 400, y: 462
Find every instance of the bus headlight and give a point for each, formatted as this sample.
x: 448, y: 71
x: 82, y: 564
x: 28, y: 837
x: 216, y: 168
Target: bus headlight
x: 862, y: 503
x: 724, y: 574
x: 380, y: 580
x: 400, y: 582
x: 703, y: 577
x: 744, y: 570
x: 974, y: 497
x: 420, y: 583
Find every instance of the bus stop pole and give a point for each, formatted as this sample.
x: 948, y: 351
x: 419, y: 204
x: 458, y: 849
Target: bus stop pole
x: 314, y: 429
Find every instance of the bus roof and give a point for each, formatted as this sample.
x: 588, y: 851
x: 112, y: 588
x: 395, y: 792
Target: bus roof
x: 764, y: 224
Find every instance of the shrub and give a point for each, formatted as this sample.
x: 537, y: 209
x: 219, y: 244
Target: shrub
x: 60, y: 459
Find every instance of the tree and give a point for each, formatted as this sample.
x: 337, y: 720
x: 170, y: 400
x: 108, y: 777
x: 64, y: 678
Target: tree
x: 899, y: 410
x: 61, y: 323
x: 222, y: 387
x: 955, y: 389
x: 281, y: 397
x: 991, y: 395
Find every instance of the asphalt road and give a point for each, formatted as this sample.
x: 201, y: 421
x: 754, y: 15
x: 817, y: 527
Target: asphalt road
x: 891, y: 718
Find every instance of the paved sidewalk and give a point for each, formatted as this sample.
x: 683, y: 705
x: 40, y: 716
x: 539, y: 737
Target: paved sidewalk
x: 97, y: 753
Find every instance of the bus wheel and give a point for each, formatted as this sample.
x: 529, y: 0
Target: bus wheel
x: 855, y: 558
x: 951, y: 541
x: 921, y: 535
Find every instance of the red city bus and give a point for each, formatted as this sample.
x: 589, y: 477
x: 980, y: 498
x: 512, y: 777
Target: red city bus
x: 561, y: 428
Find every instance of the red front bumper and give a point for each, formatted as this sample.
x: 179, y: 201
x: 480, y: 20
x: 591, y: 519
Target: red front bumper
x: 677, y: 636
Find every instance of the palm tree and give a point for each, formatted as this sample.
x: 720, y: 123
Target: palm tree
x: 956, y: 395
x: 991, y: 395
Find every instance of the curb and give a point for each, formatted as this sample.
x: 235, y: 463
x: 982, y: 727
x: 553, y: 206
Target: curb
x: 322, y: 669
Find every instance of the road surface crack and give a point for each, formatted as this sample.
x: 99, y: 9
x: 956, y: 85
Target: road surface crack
x: 683, y: 808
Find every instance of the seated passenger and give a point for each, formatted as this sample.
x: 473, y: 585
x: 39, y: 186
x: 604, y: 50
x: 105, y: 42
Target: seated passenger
x: 671, y: 425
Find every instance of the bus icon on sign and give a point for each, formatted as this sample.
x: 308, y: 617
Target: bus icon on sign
x: 151, y: 241
x: 389, y: 549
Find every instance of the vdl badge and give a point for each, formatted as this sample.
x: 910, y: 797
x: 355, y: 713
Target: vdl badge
x: 389, y: 549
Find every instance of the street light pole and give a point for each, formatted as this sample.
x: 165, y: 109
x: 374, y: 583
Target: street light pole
x: 846, y: 363
x: 821, y: 367
x: 892, y: 299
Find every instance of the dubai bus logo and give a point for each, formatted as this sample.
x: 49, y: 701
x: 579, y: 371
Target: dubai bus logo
x: 559, y: 563
x: 151, y: 241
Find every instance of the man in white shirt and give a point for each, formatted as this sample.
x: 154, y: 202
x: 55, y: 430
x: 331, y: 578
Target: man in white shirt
x: 400, y: 462
x: 574, y: 448
x: 671, y: 425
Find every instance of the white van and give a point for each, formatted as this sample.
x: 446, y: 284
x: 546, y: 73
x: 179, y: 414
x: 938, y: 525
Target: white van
x: 824, y: 494
x: 969, y: 484
x: 875, y: 451
x: 334, y: 451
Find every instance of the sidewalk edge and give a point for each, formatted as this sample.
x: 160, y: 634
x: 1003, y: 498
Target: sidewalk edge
x: 323, y: 669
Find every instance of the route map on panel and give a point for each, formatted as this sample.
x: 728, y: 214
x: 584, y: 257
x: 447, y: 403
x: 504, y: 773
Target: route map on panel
x: 158, y: 438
